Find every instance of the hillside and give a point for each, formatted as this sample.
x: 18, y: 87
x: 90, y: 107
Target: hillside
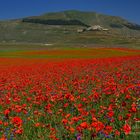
x: 82, y: 18
x: 61, y: 27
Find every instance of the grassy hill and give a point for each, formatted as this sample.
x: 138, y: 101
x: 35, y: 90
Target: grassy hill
x: 85, y: 18
x: 61, y: 28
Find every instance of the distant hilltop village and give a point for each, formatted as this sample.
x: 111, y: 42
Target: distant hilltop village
x: 92, y: 28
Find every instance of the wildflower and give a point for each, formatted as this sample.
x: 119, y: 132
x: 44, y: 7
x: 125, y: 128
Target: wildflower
x: 126, y: 129
x: 17, y: 121
x: 133, y: 108
x: 75, y: 119
x: 68, y: 115
x: 78, y: 137
x: 108, y: 128
x: 3, y: 138
x: 84, y: 125
x: 71, y: 129
x: 1, y: 122
x: 120, y: 117
x: 6, y: 113
x: 117, y: 133
x: 110, y: 114
x: 98, y: 125
x: 64, y: 121
x: 94, y: 119
x: 5, y: 123
x: 19, y: 131
x: 37, y: 124
x: 96, y: 96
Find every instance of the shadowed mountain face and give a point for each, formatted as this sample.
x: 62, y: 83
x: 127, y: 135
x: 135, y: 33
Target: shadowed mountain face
x: 61, y: 27
x: 54, y: 21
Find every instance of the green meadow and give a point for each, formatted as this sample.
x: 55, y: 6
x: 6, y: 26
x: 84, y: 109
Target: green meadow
x: 62, y: 51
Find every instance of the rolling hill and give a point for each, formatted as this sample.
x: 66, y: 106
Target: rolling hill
x: 61, y: 28
x: 81, y: 18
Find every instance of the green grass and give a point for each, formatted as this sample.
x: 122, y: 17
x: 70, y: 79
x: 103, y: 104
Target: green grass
x: 61, y: 51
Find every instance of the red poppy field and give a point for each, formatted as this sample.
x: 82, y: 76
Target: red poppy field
x: 85, y: 98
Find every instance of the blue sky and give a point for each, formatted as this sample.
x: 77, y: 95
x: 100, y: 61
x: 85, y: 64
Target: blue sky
x: 129, y: 9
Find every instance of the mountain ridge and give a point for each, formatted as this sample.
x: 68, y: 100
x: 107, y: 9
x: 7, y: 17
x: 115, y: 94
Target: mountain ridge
x: 61, y: 27
x: 88, y: 18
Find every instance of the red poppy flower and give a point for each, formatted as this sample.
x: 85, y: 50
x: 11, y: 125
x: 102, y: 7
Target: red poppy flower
x: 1, y: 122
x: 109, y: 128
x: 64, y: 121
x: 110, y: 114
x: 126, y: 129
x: 98, y: 125
x: 19, y: 131
x: 6, y: 113
x: 84, y: 125
x: 117, y: 133
x: 17, y: 121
